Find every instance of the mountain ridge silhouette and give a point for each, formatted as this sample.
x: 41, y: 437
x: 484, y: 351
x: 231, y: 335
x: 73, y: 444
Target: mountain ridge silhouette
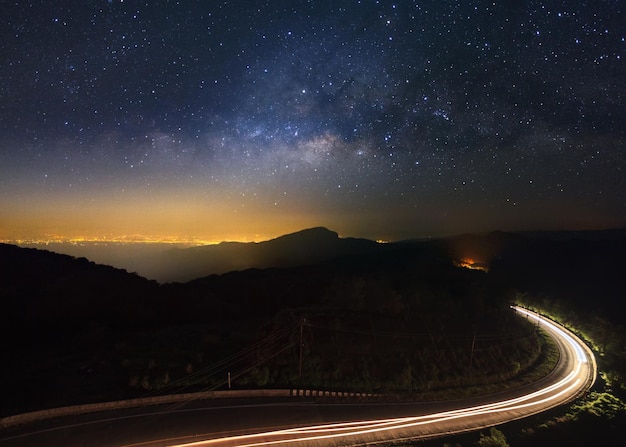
x: 308, y: 246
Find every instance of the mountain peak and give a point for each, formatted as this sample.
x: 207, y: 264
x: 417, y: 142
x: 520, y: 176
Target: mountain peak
x: 310, y: 235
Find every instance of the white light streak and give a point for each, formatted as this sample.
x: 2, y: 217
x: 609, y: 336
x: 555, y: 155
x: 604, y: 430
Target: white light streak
x: 524, y: 405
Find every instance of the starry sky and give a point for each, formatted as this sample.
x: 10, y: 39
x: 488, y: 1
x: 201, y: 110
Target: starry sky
x: 243, y: 120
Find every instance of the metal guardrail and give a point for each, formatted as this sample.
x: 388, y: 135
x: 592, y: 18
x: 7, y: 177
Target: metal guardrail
x: 73, y: 410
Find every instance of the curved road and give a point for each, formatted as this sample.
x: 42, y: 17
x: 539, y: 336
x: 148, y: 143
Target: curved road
x: 304, y: 422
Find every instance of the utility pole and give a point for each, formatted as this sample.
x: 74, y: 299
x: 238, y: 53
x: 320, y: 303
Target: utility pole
x: 301, y: 344
x: 472, y: 355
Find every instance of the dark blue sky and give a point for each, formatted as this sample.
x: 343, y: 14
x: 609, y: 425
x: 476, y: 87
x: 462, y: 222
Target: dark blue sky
x: 198, y: 120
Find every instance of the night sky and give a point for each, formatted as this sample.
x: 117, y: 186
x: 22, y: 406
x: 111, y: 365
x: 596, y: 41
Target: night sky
x: 243, y: 120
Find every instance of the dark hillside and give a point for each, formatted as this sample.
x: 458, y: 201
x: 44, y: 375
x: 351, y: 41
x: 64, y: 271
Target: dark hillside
x: 400, y: 318
x: 406, y: 308
x: 57, y: 308
x: 585, y: 269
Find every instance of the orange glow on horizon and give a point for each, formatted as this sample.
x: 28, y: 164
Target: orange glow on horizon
x: 51, y: 239
x: 182, y: 217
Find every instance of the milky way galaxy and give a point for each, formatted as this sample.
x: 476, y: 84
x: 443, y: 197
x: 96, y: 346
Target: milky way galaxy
x: 242, y: 120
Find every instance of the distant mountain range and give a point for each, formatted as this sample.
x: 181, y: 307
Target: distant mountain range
x: 166, y: 264
x: 305, y: 247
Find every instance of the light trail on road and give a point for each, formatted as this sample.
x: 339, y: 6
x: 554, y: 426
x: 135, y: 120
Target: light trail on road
x: 574, y: 381
x: 307, y: 422
x: 577, y: 345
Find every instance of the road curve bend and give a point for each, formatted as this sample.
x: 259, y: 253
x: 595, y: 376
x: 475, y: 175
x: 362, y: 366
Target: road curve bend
x: 306, y: 422
x: 573, y: 375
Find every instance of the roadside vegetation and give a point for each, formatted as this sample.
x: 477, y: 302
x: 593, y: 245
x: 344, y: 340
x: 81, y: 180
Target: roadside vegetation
x: 422, y: 337
x: 597, y: 418
x: 601, y: 414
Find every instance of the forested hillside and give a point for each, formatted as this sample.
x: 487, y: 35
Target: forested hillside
x: 406, y: 322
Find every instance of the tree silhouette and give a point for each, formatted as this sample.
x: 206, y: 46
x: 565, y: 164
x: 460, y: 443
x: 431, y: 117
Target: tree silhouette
x: 495, y: 438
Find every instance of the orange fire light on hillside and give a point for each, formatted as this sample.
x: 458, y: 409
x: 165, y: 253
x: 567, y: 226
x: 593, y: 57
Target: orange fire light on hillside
x: 471, y: 263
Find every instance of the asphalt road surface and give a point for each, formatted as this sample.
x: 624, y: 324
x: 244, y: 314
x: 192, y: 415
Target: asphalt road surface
x: 303, y: 421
